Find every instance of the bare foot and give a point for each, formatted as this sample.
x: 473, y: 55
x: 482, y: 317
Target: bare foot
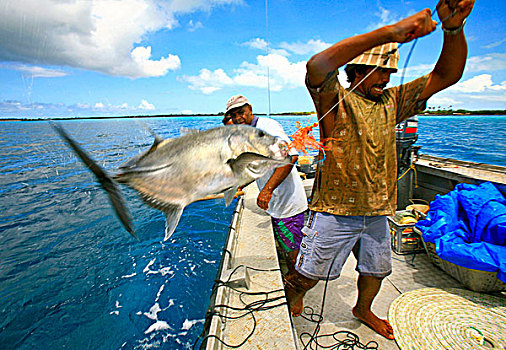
x: 296, y: 309
x: 381, y: 327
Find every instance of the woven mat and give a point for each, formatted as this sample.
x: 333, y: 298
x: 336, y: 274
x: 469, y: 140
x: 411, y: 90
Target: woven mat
x: 433, y: 318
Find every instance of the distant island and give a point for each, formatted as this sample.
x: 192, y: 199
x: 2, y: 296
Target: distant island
x: 429, y: 111
x: 463, y: 112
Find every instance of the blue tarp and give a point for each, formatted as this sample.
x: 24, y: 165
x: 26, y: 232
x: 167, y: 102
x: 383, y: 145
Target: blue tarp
x: 468, y: 227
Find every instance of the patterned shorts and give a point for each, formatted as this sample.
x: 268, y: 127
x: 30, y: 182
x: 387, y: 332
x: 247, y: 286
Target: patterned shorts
x: 288, y: 231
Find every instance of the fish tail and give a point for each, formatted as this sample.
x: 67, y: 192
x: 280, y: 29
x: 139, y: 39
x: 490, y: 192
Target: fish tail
x: 107, y: 183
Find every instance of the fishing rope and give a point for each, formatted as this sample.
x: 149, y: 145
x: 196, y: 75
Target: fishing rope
x: 411, y: 167
x: 385, y: 62
x: 306, y: 138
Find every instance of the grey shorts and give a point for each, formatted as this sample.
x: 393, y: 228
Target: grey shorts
x: 328, y: 240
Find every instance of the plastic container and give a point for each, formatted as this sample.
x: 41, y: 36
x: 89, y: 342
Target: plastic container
x: 475, y: 280
x: 307, y: 166
x: 404, y: 239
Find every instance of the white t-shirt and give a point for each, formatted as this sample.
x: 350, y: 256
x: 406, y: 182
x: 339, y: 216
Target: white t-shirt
x: 289, y: 198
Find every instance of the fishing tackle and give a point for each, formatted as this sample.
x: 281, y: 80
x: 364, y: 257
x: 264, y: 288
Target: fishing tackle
x: 304, y: 140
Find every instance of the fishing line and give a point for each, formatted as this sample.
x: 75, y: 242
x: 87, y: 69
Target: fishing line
x: 268, y: 53
x: 389, y: 54
x: 416, y: 40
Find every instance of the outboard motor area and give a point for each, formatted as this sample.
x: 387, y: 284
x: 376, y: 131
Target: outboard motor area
x: 406, y: 136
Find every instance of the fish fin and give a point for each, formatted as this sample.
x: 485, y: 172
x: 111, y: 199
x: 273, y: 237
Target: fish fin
x: 251, y: 162
x: 132, y: 162
x: 107, y: 183
x: 172, y: 216
x: 229, y: 195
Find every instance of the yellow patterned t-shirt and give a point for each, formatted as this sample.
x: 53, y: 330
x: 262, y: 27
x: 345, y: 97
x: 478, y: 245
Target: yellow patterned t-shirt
x: 359, y: 173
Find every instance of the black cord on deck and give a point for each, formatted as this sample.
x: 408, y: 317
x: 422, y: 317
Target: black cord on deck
x: 350, y: 341
x: 249, y: 309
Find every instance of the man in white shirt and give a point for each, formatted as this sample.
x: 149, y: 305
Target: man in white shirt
x: 282, y: 193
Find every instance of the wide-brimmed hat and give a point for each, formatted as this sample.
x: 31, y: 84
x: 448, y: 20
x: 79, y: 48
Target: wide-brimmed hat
x: 235, y: 102
x: 383, y: 56
x: 433, y: 319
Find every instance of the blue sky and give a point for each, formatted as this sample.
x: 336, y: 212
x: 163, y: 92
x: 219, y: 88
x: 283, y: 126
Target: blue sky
x: 146, y: 57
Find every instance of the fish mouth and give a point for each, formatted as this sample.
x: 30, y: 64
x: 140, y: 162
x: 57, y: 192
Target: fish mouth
x: 283, y: 149
x: 280, y: 150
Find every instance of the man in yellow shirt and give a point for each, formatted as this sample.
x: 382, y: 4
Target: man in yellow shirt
x: 355, y: 185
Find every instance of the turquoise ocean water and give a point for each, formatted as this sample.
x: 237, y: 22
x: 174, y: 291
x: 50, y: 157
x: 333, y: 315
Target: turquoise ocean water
x: 71, y: 277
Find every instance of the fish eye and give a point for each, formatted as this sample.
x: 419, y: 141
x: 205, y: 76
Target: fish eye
x: 261, y: 133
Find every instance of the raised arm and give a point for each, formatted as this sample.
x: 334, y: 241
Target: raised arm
x: 339, y: 54
x: 452, y: 60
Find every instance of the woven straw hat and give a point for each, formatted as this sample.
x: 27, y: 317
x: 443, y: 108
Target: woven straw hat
x: 432, y: 318
x: 383, y: 56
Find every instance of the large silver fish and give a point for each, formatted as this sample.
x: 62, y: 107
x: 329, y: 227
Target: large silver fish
x: 176, y: 172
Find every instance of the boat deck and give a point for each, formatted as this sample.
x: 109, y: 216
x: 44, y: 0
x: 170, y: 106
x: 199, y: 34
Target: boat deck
x: 409, y: 272
x: 253, y: 245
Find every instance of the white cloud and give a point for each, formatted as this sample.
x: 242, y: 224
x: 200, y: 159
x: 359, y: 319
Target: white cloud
x: 99, y: 35
x: 273, y: 68
x: 490, y: 98
x: 385, y: 18
x: 49, y: 110
x: 141, y: 56
x: 36, y: 71
x: 494, y: 44
x: 193, y: 26
x: 145, y: 105
x: 413, y: 71
x: 472, y: 93
x: 208, y: 81
x: 490, y: 62
x: 185, y: 6
x: 479, y: 83
x: 486, y: 63
x: 438, y: 101
x: 257, y: 43
x: 262, y: 45
x: 282, y: 74
x: 310, y: 47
